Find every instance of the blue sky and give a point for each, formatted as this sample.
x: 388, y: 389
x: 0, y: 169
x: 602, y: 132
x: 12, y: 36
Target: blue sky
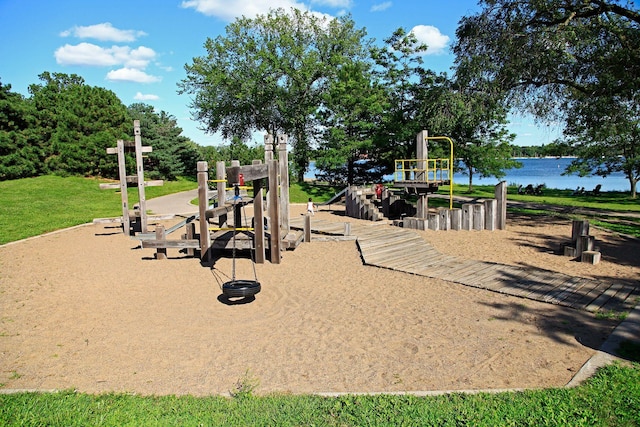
x: 138, y: 48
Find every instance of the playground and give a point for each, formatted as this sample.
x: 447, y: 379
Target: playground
x: 89, y: 309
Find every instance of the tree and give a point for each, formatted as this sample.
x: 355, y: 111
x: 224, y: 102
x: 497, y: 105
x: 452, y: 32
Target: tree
x: 270, y: 74
x: 398, y: 67
x: 605, y: 135
x: 173, y: 155
x: 77, y: 123
x: 475, y: 121
x: 20, y: 157
x: 354, y: 106
x: 576, y: 51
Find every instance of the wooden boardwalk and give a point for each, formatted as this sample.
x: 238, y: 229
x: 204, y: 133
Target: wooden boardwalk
x: 404, y: 250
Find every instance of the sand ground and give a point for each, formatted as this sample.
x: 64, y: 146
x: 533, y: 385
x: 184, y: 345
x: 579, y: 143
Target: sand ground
x: 88, y: 309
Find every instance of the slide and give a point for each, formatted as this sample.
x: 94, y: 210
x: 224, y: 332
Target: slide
x: 335, y: 198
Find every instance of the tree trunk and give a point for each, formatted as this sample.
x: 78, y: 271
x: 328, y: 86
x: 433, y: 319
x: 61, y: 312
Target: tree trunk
x: 350, y: 173
x: 632, y: 185
x: 470, y: 179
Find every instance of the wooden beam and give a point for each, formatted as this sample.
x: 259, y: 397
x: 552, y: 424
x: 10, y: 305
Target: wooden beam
x: 177, y: 244
x: 133, y: 180
x: 218, y: 212
x: 129, y: 147
x: 249, y: 173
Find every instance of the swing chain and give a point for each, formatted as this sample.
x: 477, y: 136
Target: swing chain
x: 236, y: 198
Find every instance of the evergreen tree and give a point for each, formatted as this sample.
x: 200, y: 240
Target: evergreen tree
x: 20, y: 156
x: 354, y: 106
x: 173, y: 155
x: 77, y: 123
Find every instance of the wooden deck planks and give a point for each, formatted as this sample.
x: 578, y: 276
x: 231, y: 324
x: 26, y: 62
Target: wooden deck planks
x: 624, y: 300
x: 404, y: 250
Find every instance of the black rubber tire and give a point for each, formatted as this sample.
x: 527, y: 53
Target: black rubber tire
x: 241, y: 288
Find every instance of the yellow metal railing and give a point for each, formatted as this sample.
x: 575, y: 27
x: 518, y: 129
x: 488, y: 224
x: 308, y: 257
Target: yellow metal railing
x: 422, y: 170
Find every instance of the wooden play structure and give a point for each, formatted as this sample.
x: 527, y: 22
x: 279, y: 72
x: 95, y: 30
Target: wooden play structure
x: 582, y: 246
x: 420, y: 177
x: 135, y: 220
x: 220, y: 223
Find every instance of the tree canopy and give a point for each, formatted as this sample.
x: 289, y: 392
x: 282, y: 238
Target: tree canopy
x: 66, y: 126
x: 574, y: 60
x: 270, y: 74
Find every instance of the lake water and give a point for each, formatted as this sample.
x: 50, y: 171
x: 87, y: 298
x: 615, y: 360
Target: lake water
x: 547, y: 171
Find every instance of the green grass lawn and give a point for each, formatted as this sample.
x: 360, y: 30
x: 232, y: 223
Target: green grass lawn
x: 610, y: 398
x: 33, y: 206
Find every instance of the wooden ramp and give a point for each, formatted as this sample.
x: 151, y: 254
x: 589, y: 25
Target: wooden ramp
x: 404, y: 250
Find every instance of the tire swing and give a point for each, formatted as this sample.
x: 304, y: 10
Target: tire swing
x: 240, y: 288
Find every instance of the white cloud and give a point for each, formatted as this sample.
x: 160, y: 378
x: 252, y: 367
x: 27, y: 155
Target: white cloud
x: 334, y: 3
x: 228, y: 10
x: 131, y: 75
x: 85, y: 54
x: 103, y: 32
x: 432, y: 37
x: 92, y: 55
x: 145, y: 97
x: 381, y: 7
x: 139, y: 57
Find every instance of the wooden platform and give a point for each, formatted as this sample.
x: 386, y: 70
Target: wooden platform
x: 404, y: 250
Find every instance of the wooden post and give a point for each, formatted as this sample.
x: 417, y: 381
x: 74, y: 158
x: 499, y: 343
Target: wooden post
x: 422, y: 223
x: 478, y: 217
x: 190, y: 233
x: 583, y: 244
x: 122, y: 173
x: 258, y: 226
x: 434, y: 221
x: 386, y: 202
x: 221, y: 191
x: 268, y: 156
x: 445, y: 221
x: 422, y: 154
x: 490, y: 212
x: 274, y: 212
x: 579, y: 228
x: 283, y: 162
x: 591, y: 257
x: 161, y: 253
x: 349, y: 202
x: 307, y: 228
x: 237, y: 207
x: 203, y: 204
x: 422, y: 204
x: 140, y: 173
x: 456, y: 218
x: 500, y: 192
x: 467, y: 216
x: 347, y: 229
